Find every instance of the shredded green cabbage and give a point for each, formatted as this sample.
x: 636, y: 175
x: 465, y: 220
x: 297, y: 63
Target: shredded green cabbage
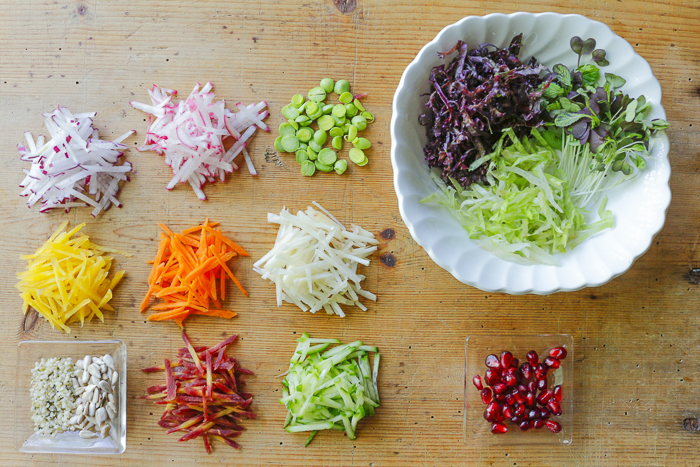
x: 526, y: 214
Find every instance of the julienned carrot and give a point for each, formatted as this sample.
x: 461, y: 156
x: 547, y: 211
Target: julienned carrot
x: 185, y: 271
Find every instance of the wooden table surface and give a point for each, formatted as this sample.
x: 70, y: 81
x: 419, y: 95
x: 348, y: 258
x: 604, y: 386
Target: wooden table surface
x: 636, y: 338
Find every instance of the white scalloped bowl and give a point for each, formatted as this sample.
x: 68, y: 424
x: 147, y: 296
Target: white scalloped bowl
x: 639, y: 206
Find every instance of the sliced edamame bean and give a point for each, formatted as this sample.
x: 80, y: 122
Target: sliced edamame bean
x: 341, y: 86
x: 287, y: 129
x: 301, y: 119
x: 290, y: 112
x: 327, y: 156
x: 340, y: 166
x: 337, y: 142
x: 339, y: 110
x: 362, y: 143
x: 339, y: 120
x: 290, y: 143
x: 359, y: 105
x: 311, y: 108
x: 278, y: 144
x: 356, y: 155
x: 327, y: 85
x: 312, y: 154
x: 302, y: 156
x: 320, y: 137
x: 327, y: 109
x: 368, y: 116
x: 323, y: 167
x: 297, y: 100
x: 317, y: 94
x: 350, y: 110
x: 336, y: 131
x: 352, y: 133
x: 315, y: 146
x: 345, y: 98
x: 305, y: 135
x: 363, y: 163
x: 326, y: 122
x: 345, y: 127
x: 303, y: 146
x: 294, y: 124
x: 308, y: 168
x: 316, y: 115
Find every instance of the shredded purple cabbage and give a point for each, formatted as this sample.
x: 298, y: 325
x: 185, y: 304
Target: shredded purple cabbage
x: 480, y: 93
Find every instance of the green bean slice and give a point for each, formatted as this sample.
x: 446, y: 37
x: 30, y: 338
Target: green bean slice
x: 345, y: 98
x: 290, y: 112
x: 315, y: 146
x: 359, y: 105
x: 327, y: 85
x: 363, y: 163
x: 317, y: 94
x: 327, y: 109
x: 311, y: 108
x: 339, y: 120
x: 312, y: 154
x: 340, y: 166
x: 294, y: 124
x: 303, y: 146
x: 362, y: 143
x: 352, y: 133
x: 302, y: 156
x: 356, y: 155
x: 278, y: 144
x: 326, y: 122
x: 336, y: 131
x: 339, y: 110
x: 368, y: 116
x: 337, y: 142
x: 350, y: 110
x: 308, y: 168
x: 320, y: 137
x: 290, y: 143
x: 341, y: 86
x: 323, y: 167
x: 287, y: 129
x: 327, y: 156
x: 305, y: 134
x: 297, y: 100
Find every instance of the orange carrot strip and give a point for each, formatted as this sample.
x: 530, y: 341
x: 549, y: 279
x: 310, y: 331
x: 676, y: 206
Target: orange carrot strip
x: 164, y: 315
x: 228, y: 242
x: 228, y: 271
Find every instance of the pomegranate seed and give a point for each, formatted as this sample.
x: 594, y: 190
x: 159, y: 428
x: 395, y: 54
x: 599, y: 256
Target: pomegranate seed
x: 545, y: 396
x: 506, y: 359
x: 542, y: 384
x: 491, y: 411
x: 526, y: 370
x: 520, y: 397
x: 544, y: 413
x: 530, y: 398
x: 498, y: 428
x: 519, y: 410
x: 507, y: 411
x: 522, y: 388
x: 477, y: 382
x: 532, y: 386
x: 510, y: 400
x: 499, y: 388
x: 532, y: 358
x: 538, y: 423
x: 553, y: 426
x: 541, y: 371
x: 491, y: 377
x: 511, y: 370
x: 524, y: 425
x: 557, y: 393
x: 492, y: 361
x: 516, y: 419
x: 552, y: 362
x: 499, y: 417
x: 515, y: 363
x: 554, y: 406
x: 499, y: 397
x: 486, y: 395
x: 533, y: 414
x: 510, y: 381
x: 558, y: 352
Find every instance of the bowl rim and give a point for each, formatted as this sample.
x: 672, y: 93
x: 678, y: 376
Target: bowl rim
x: 401, y: 200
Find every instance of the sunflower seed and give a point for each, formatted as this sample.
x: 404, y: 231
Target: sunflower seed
x: 109, y: 361
x: 85, y: 434
x: 105, y: 430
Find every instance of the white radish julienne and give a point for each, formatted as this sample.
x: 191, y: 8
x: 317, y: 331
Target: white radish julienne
x: 190, y: 134
x: 74, y: 160
x: 314, y: 261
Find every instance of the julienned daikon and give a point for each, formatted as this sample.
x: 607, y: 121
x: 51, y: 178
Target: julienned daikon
x: 329, y: 388
x: 314, y: 261
x: 74, y: 163
x: 191, y: 132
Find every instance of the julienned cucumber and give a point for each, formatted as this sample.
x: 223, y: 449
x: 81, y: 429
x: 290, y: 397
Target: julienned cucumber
x: 330, y: 390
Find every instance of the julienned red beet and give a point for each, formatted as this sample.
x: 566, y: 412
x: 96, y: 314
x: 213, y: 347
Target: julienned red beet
x: 472, y: 99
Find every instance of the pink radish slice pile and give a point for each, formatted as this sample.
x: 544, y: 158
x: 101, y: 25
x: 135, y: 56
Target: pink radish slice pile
x: 74, y: 163
x: 190, y: 134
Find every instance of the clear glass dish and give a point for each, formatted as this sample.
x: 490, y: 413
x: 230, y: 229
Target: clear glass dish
x: 26, y: 440
x: 477, y: 348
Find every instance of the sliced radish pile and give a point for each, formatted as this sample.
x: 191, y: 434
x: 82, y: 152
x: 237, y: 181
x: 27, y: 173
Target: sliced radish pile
x: 314, y: 261
x: 75, y: 162
x: 190, y: 134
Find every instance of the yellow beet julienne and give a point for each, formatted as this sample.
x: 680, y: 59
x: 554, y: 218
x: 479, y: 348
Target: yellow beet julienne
x: 66, y: 279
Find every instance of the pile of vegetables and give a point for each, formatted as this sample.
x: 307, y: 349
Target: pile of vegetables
x: 191, y: 134
x: 526, y: 195
x: 74, y: 163
x: 202, y: 394
x: 329, y: 388
x: 314, y: 261
x: 185, y: 271
x: 67, y: 279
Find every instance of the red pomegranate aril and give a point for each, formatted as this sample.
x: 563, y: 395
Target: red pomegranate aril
x: 541, y: 371
x: 477, y: 382
x: 520, y: 397
x: 524, y: 425
x: 538, y: 423
x: 542, y: 384
x: 552, y: 362
x: 507, y: 411
x: 544, y: 413
x: 515, y: 363
x: 530, y: 398
x: 532, y: 358
x: 533, y: 414
x: 511, y: 370
x: 522, y: 388
x: 510, y: 400
x: 486, y: 395
x: 510, y: 381
x: 499, y: 397
x: 491, y: 376
x: 499, y: 388
x: 491, y: 411
x: 526, y: 370
x: 492, y: 361
x: 544, y: 397
x: 553, y: 426
x: 519, y: 410
x: 498, y: 428
x: 532, y: 386
x: 558, y: 393
x: 558, y: 352
x: 506, y: 359
x: 554, y: 407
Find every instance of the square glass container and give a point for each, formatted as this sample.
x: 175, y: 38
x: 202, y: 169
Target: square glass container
x: 477, y: 348
x: 26, y: 440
